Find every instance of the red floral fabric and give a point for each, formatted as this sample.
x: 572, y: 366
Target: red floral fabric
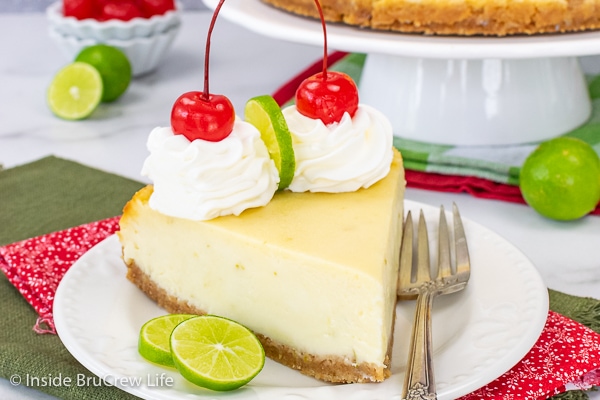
x: 566, y: 356
x: 36, y: 266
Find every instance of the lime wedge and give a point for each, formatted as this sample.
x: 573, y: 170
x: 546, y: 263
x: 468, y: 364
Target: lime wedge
x: 75, y: 91
x: 216, y: 353
x: 265, y: 114
x: 153, y: 343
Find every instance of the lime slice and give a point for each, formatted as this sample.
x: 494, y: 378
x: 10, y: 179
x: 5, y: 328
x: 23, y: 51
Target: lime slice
x: 216, y: 353
x: 153, y: 343
x: 265, y: 114
x: 114, y: 68
x: 75, y: 91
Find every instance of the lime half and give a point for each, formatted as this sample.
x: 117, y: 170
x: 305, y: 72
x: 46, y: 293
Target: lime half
x: 153, y: 343
x: 75, y: 91
x: 216, y: 353
x: 265, y: 114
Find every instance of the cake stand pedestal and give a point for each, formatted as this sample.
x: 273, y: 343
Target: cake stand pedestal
x: 474, y: 91
x: 477, y: 102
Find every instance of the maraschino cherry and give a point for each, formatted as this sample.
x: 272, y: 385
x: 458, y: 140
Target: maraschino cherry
x: 124, y: 10
x: 201, y: 115
x: 327, y: 95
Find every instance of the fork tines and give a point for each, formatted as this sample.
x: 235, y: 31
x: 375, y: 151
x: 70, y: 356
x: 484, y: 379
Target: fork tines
x: 412, y: 276
x: 463, y: 262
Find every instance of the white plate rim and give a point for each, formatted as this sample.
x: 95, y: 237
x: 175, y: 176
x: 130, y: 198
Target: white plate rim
x: 264, y: 19
x: 500, y: 330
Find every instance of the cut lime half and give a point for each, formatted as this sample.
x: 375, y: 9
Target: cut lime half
x: 265, y: 114
x: 216, y: 353
x: 154, y: 344
x: 75, y: 91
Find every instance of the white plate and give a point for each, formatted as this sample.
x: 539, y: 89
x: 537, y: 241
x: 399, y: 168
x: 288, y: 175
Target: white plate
x: 261, y: 18
x: 478, y: 334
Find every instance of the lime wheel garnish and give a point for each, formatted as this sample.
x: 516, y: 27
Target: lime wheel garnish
x: 154, y: 339
x: 216, y: 353
x: 265, y: 114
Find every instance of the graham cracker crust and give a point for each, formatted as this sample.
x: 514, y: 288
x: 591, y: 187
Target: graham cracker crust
x: 333, y: 369
x: 463, y: 18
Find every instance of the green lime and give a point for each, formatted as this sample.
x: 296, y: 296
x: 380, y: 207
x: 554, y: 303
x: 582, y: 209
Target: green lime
x: 265, y: 114
x: 560, y: 179
x: 113, y: 65
x: 75, y: 91
x: 153, y: 342
x: 216, y: 353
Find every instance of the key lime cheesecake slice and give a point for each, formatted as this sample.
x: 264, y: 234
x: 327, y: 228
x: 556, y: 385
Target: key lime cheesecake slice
x: 312, y: 274
x: 311, y: 271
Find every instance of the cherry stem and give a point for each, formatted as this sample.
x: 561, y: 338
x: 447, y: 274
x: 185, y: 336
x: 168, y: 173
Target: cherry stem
x: 324, y: 25
x: 206, y: 94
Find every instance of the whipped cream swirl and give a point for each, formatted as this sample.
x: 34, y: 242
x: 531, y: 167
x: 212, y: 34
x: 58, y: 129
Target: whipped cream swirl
x: 340, y: 157
x: 201, y: 180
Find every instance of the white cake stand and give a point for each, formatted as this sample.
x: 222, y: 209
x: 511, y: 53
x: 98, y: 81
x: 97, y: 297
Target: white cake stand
x: 452, y: 90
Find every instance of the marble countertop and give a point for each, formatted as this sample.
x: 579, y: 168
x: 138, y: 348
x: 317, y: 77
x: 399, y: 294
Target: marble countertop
x: 243, y: 65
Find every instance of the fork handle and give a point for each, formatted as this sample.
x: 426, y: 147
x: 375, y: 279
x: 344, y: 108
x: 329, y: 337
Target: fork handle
x: 419, y: 382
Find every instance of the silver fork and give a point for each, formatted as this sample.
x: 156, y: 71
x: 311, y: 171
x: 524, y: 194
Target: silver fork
x: 425, y: 285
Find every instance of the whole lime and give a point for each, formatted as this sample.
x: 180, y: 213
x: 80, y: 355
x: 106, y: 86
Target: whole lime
x: 560, y: 179
x: 114, y: 68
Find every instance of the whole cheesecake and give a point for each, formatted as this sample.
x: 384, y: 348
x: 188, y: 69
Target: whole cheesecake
x: 456, y: 17
x: 314, y: 275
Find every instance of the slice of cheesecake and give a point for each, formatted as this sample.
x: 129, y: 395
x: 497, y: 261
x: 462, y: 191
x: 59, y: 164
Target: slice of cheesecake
x: 312, y: 274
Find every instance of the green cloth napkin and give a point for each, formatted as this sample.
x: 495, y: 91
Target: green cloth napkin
x: 54, y: 194
x: 496, y: 163
x: 49, y: 195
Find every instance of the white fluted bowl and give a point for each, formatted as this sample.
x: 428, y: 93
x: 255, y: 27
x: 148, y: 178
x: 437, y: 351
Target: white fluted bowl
x: 103, y: 31
x: 145, y: 54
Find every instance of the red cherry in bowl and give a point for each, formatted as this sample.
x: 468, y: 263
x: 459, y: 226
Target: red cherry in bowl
x: 156, y: 7
x: 327, y: 96
x: 196, y: 117
x: 124, y: 10
x: 80, y: 9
